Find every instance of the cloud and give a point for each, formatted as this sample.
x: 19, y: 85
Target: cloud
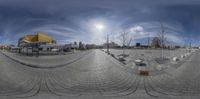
x: 70, y: 20
x: 175, y: 39
x: 147, y: 30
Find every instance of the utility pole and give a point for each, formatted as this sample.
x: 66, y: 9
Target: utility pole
x: 148, y: 40
x: 190, y: 45
x: 108, y: 43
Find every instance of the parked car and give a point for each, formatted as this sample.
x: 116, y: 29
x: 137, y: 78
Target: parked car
x: 54, y: 50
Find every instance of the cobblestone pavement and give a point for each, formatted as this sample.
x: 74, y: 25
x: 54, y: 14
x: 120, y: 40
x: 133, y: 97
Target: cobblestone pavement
x: 95, y: 75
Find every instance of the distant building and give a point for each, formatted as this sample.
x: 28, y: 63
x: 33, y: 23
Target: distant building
x: 111, y: 45
x: 92, y: 46
x: 69, y: 47
x: 177, y: 46
x: 156, y: 43
x: 81, y: 46
x: 138, y: 45
x: 39, y: 38
x: 6, y: 47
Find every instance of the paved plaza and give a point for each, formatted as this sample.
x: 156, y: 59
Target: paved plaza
x: 93, y: 74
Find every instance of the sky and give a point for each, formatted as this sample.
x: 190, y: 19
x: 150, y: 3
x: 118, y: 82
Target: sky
x: 90, y: 21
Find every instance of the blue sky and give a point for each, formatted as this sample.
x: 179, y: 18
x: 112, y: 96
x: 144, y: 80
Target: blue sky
x: 76, y: 20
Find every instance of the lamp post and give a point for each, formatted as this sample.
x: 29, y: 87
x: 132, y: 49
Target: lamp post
x: 107, y: 43
x: 148, y: 40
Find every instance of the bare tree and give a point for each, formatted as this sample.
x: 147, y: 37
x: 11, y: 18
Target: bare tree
x: 125, y: 40
x: 163, y: 38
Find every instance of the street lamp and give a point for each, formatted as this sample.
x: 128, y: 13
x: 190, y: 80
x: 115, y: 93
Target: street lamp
x: 107, y: 43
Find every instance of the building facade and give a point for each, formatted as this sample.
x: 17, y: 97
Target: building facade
x: 111, y: 45
x: 39, y: 38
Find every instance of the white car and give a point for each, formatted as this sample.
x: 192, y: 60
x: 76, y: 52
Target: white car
x: 54, y: 50
x: 175, y: 59
x: 139, y: 62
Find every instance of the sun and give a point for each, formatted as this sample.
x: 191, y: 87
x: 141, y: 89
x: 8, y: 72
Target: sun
x: 99, y: 26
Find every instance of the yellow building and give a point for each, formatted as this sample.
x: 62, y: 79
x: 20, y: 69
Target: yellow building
x: 38, y: 38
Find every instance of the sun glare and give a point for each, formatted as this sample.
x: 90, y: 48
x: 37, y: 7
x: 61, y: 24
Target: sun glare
x: 99, y: 26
